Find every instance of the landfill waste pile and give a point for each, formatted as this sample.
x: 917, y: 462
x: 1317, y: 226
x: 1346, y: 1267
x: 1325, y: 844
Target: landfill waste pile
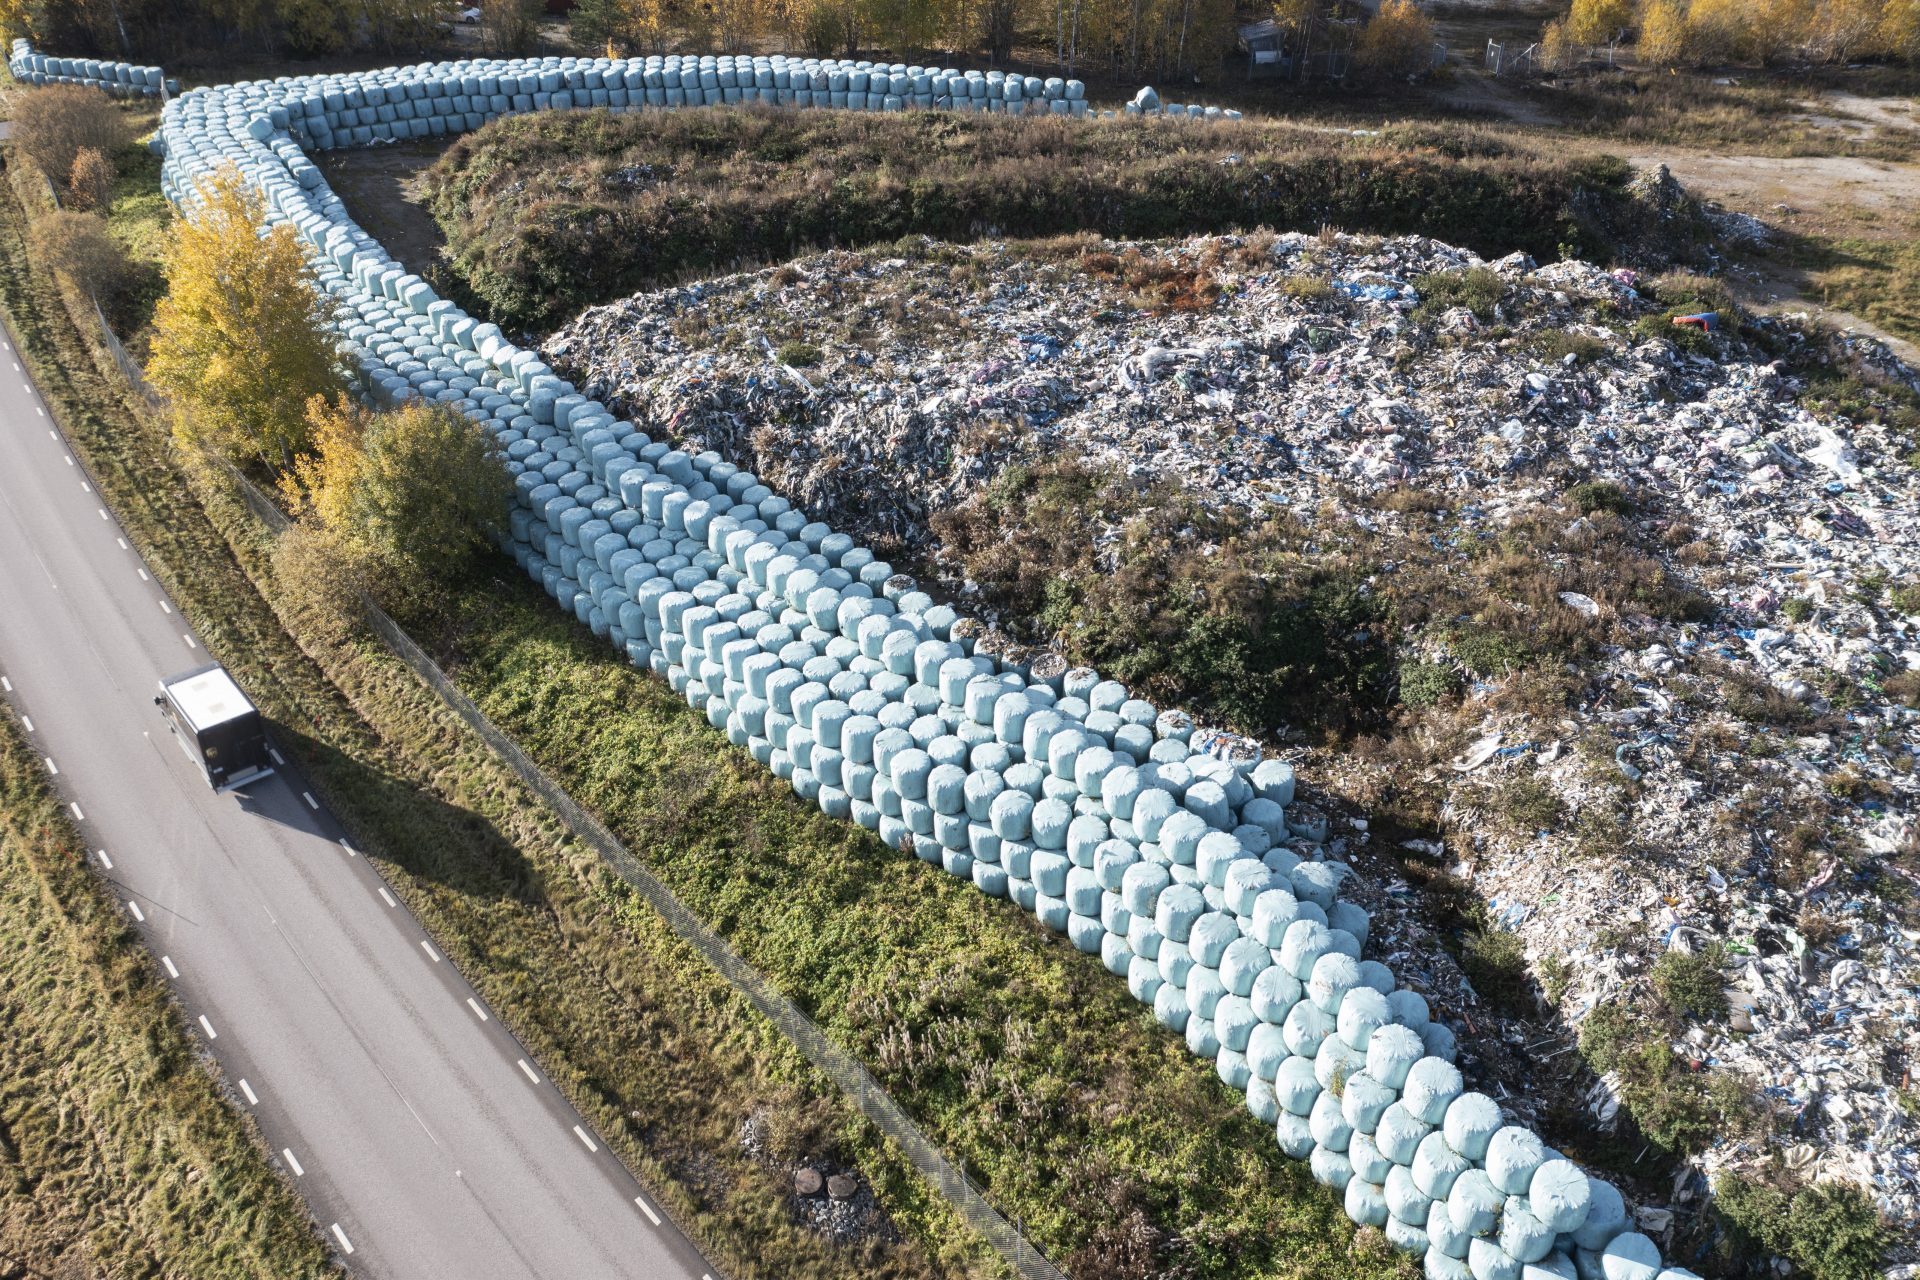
x: 1725, y: 789
x: 1177, y: 854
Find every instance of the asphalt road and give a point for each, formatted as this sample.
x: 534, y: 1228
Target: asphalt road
x: 423, y: 1136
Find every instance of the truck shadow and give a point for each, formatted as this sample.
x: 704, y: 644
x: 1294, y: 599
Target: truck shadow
x: 392, y: 819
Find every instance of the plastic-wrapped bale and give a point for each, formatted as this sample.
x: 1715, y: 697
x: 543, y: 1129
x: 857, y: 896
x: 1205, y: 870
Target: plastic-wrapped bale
x: 1474, y: 1203
x: 1431, y: 1087
x: 1329, y: 1168
x: 1630, y: 1256
x: 1555, y: 1266
x: 1488, y: 1261
x: 1330, y: 1127
x: 1407, y: 1237
x: 1471, y: 1121
x: 1366, y: 1159
x: 1441, y: 1233
x: 1364, y: 1100
x: 1366, y: 1203
x: 1363, y: 1011
x: 1560, y: 1194
x: 1606, y: 1216
x: 1294, y: 1135
x: 1437, y: 1265
x: 1295, y: 1086
x: 1512, y: 1156
x: 1399, y: 1134
x: 1523, y: 1236
x: 1391, y: 1053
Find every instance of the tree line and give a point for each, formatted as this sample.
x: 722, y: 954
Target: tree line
x: 1697, y: 33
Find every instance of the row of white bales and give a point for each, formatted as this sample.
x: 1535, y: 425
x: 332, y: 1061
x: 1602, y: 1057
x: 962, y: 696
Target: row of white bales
x: 1169, y: 853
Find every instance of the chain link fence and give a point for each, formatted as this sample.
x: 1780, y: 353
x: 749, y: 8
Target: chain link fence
x: 838, y: 1065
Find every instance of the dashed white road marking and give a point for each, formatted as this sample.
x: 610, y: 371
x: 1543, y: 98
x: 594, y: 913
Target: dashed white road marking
x: 123, y: 544
x: 102, y: 511
x: 647, y: 1209
x: 42, y: 412
x: 143, y: 574
x: 208, y: 1028
x: 581, y: 1134
x: 138, y: 914
x: 478, y: 1011
x: 27, y: 721
x: 431, y: 953
x: 77, y: 815
x: 86, y: 486
x: 52, y: 767
x: 311, y: 802
x: 277, y: 757
x: 105, y: 861
x: 387, y: 897
x: 189, y: 640
x: 6, y: 684
x: 346, y: 1245
x: 293, y: 1162
x: 168, y: 962
x: 165, y: 607
x: 70, y: 461
x: 247, y: 1089
x: 346, y: 846
x: 529, y: 1071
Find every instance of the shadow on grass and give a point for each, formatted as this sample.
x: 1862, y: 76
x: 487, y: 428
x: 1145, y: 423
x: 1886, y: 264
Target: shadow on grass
x: 415, y: 829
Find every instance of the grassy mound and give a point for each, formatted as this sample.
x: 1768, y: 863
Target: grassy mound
x: 548, y: 213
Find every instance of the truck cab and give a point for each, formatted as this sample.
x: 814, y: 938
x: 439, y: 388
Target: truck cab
x: 216, y: 724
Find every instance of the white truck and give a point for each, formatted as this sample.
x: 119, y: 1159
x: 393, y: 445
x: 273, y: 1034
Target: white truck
x: 217, y: 725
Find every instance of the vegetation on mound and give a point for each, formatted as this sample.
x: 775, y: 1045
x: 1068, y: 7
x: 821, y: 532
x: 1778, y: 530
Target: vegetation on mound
x: 118, y: 1153
x: 1255, y: 623
x: 547, y: 213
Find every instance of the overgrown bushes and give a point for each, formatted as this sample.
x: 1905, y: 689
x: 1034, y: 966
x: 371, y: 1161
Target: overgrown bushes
x: 548, y: 213
x: 1829, y: 1232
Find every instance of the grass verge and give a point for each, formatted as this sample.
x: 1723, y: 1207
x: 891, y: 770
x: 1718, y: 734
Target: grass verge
x: 119, y: 1154
x: 654, y: 1048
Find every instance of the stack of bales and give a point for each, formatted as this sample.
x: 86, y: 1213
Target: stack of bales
x: 1172, y: 854
x: 120, y: 79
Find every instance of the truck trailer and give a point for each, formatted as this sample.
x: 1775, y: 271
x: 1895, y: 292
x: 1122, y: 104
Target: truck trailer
x: 216, y: 724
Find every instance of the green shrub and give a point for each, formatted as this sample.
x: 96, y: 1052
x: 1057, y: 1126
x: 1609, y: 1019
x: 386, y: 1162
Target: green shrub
x: 1478, y: 289
x: 1797, y: 608
x: 1677, y: 1109
x: 1495, y: 961
x: 1486, y: 652
x: 1906, y: 598
x: 1829, y: 1232
x: 1425, y: 684
x: 1557, y: 344
x: 1691, y: 983
x: 1590, y: 496
x: 798, y: 354
x: 1531, y: 804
